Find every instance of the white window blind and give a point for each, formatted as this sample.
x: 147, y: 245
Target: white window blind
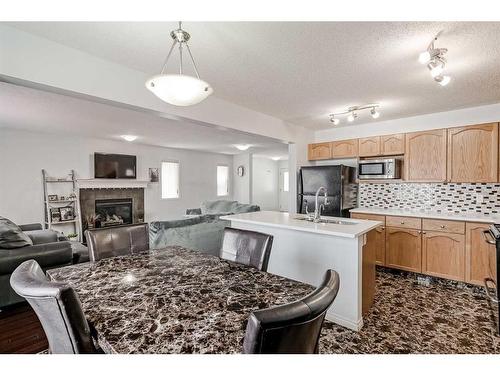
x: 222, y: 180
x: 170, y: 179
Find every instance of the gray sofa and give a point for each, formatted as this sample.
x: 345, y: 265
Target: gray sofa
x: 49, y: 249
x: 202, y: 230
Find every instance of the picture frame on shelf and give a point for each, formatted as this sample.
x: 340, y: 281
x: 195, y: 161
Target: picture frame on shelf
x: 55, y: 215
x: 52, y: 197
x: 62, y: 198
x: 67, y: 213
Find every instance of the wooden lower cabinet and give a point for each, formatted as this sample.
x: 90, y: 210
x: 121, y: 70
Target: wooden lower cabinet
x: 480, y: 261
x: 443, y: 255
x: 377, y: 236
x: 403, y: 249
x: 368, y: 271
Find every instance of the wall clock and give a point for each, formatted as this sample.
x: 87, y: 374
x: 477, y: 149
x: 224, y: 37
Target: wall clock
x: 241, y: 171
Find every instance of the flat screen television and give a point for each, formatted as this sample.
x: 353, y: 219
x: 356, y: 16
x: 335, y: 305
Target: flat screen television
x: 114, y: 166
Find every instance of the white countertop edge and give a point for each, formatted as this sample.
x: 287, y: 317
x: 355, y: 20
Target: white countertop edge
x: 428, y: 215
x: 366, y: 225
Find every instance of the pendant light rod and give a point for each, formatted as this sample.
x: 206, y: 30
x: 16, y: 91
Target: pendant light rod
x: 180, y: 58
x: 168, y: 56
x: 192, y: 59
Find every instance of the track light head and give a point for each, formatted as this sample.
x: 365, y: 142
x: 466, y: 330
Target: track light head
x: 334, y: 120
x: 352, y: 116
x: 442, y: 80
x: 436, y: 67
x: 374, y: 113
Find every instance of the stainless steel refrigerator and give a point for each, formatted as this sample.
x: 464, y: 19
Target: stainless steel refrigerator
x: 340, y: 183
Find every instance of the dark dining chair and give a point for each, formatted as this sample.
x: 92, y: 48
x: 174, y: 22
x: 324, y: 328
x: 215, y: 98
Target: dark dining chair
x: 114, y: 241
x: 247, y: 247
x: 57, y: 306
x: 293, y: 328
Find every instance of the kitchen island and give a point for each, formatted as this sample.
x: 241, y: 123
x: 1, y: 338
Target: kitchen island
x: 303, y: 251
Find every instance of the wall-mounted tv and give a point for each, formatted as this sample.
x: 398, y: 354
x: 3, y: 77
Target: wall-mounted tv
x: 114, y: 166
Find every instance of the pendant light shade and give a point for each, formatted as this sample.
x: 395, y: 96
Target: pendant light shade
x: 179, y: 89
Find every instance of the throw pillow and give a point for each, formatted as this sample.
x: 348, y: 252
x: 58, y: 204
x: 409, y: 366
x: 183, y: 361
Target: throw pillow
x: 11, y: 236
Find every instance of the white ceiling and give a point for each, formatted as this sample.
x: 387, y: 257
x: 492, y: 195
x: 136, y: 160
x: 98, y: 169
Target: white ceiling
x: 301, y: 71
x: 36, y: 110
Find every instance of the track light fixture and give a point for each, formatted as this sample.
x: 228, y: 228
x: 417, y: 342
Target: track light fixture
x: 434, y: 59
x: 352, y: 113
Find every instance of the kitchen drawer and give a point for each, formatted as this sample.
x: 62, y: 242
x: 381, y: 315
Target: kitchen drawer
x: 448, y: 226
x: 373, y: 217
x: 403, y: 222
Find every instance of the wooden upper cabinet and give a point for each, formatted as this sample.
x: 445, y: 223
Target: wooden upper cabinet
x: 319, y: 151
x: 425, y: 157
x: 473, y: 153
x: 393, y: 144
x: 347, y: 148
x: 369, y: 146
x: 443, y: 255
x: 480, y: 257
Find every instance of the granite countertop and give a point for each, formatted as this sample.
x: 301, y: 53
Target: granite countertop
x: 472, y: 217
x: 174, y: 300
x: 292, y: 221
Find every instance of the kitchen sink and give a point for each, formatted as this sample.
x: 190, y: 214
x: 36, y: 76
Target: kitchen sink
x: 325, y: 221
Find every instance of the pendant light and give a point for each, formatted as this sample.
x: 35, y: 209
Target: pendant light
x: 179, y: 89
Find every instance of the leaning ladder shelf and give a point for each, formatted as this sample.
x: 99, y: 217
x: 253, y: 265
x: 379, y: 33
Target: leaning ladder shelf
x: 74, y: 203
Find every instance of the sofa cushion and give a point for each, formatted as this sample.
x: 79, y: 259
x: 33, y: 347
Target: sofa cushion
x: 11, y: 236
x: 216, y: 207
x: 42, y: 236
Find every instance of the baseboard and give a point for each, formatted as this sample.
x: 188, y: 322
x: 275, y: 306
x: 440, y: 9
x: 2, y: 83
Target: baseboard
x: 355, y: 326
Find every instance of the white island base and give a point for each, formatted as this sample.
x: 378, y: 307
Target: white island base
x: 303, y: 251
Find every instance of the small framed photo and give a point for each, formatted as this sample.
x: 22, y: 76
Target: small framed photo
x: 62, y: 198
x: 66, y: 213
x: 53, y: 197
x: 154, y: 175
x: 55, y: 215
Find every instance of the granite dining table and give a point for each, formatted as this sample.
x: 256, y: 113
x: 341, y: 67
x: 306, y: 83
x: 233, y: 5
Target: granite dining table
x: 173, y: 300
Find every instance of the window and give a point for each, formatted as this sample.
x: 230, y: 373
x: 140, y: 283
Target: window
x: 170, y: 179
x: 222, y: 180
x: 286, y: 181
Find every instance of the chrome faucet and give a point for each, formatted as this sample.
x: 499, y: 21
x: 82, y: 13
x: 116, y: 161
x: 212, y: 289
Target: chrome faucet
x: 317, y: 210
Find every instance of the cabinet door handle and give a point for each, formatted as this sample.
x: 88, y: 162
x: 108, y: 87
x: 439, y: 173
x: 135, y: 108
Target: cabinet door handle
x: 402, y: 222
x: 443, y: 226
x: 487, y: 233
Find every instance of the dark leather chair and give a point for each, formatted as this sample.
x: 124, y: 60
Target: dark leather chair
x: 247, y: 247
x: 293, y: 328
x: 115, y: 241
x: 57, y: 306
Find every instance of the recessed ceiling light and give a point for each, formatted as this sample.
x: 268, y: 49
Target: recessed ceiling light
x: 129, y: 137
x: 242, y: 147
x: 276, y: 158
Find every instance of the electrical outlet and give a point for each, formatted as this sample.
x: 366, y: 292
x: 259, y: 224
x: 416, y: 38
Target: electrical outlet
x: 479, y: 198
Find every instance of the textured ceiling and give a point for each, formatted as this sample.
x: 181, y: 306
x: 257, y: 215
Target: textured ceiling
x: 301, y: 71
x: 53, y: 113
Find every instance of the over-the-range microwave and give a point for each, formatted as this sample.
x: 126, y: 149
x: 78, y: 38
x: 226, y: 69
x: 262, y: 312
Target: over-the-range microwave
x: 383, y: 169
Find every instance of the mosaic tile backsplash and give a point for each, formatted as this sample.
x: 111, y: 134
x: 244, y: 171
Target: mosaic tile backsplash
x: 435, y: 197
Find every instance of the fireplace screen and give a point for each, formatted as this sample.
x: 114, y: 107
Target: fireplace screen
x: 111, y: 212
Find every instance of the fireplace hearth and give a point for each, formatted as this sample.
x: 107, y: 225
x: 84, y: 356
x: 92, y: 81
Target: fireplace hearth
x: 112, y: 212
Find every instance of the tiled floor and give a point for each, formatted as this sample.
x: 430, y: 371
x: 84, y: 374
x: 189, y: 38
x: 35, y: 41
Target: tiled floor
x: 445, y: 317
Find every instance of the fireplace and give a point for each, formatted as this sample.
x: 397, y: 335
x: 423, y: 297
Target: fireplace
x: 112, y: 212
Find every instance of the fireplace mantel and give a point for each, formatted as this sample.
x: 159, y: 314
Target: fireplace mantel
x: 104, y: 183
